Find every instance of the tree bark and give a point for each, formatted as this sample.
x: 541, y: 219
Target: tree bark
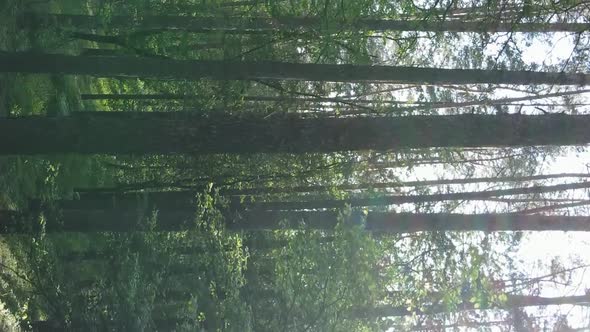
x: 348, y: 101
x: 129, y: 66
x: 404, y: 199
x: 108, y: 192
x: 384, y: 185
x: 514, y: 301
x: 129, y: 220
x: 185, y: 199
x: 241, y: 25
x: 176, y: 132
x: 552, y: 207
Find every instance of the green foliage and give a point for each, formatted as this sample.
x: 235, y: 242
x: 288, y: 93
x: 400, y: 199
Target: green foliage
x: 218, y: 280
x: 315, y: 284
x: 116, y: 281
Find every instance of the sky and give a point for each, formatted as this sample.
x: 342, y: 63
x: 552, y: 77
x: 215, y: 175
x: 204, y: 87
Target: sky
x: 537, y: 249
x: 566, y: 247
x: 541, y: 246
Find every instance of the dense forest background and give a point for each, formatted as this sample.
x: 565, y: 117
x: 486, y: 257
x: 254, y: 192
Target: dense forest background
x: 310, y: 165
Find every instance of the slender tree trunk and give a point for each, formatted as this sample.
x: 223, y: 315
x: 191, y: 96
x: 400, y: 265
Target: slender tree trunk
x: 103, y: 52
x: 553, y: 207
x: 122, y: 96
x: 404, y: 199
x: 175, y: 132
x: 514, y: 301
x: 185, y: 199
x: 115, y: 40
x: 382, y: 185
x: 281, y: 99
x: 289, y: 24
x: 108, y: 192
x: 514, y: 286
x: 437, y: 161
x: 87, y: 221
x: 242, y: 3
x: 452, y: 327
x: 29, y: 62
x: 503, y: 11
x: 533, y: 200
x: 117, y: 220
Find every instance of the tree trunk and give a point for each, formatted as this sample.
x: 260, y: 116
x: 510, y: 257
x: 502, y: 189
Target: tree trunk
x: 118, y: 220
x: 129, y: 66
x: 175, y: 132
x: 379, y: 165
x: 241, y: 25
x: 384, y: 185
x: 514, y: 301
x: 348, y: 101
x: 185, y: 199
x: 404, y: 199
x: 552, y: 207
x: 110, y: 193
x: 122, y: 96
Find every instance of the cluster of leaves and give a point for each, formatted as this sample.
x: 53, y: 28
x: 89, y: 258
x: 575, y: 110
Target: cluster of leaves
x: 116, y: 281
x: 315, y: 282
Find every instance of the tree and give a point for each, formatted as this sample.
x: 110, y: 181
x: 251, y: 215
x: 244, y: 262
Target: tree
x: 300, y: 100
x: 185, y: 198
x: 93, y: 193
x: 174, y: 132
x: 512, y: 301
x: 259, y: 24
x: 385, y: 200
x: 130, y: 219
x: 128, y: 66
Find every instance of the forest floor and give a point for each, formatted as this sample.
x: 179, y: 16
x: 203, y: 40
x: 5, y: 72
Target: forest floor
x: 8, y: 318
x: 22, y: 178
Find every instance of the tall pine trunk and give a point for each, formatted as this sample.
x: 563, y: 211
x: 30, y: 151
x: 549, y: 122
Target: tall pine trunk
x: 242, y: 25
x: 414, y: 199
x: 97, y: 193
x: 384, y: 185
x: 185, y: 199
x: 129, y: 66
x: 175, y: 132
x: 513, y: 301
x: 129, y: 220
x: 319, y: 100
